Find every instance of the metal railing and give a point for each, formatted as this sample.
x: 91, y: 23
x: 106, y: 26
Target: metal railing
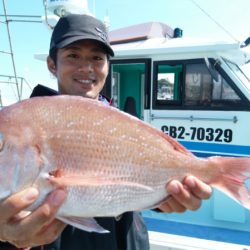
x: 191, y: 118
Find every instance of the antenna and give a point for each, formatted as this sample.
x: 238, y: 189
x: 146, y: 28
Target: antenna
x: 106, y: 20
x: 1, y: 103
x: 94, y: 7
x: 217, y: 23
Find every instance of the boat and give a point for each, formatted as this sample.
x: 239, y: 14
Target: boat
x: 198, y: 92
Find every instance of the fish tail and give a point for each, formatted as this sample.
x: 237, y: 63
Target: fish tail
x: 231, y: 179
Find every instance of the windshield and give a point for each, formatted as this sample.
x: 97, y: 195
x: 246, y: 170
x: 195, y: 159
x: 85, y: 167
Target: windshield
x: 243, y: 72
x: 246, y: 70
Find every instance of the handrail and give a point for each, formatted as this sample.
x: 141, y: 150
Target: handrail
x: 191, y: 118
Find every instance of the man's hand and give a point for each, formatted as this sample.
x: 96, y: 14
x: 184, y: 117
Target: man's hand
x: 187, y: 195
x: 37, y: 228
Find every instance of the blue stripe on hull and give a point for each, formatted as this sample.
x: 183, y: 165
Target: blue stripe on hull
x: 208, y: 149
x: 196, y: 231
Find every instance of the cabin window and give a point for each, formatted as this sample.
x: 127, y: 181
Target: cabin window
x: 196, y: 84
x: 165, y: 86
x: 202, y: 89
x: 223, y: 91
x: 238, y: 72
x: 168, y: 83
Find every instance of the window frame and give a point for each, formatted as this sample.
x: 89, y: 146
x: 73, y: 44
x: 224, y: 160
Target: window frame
x: 170, y: 104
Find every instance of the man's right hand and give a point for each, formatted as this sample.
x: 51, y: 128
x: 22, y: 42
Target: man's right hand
x: 39, y: 227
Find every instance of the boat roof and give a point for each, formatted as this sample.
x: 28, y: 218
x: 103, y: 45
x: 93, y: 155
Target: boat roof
x: 140, y: 32
x: 183, y: 45
x: 155, y: 38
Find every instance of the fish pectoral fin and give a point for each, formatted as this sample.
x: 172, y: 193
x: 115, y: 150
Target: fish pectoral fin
x: 70, y: 180
x: 86, y: 224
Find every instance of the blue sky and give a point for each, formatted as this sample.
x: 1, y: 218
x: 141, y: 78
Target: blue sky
x: 31, y: 38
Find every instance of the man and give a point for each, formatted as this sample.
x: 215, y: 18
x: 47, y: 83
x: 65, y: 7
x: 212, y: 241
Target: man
x: 79, y: 59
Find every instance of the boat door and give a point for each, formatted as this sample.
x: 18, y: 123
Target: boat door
x: 130, y: 85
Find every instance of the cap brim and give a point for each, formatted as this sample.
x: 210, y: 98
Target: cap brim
x: 69, y: 40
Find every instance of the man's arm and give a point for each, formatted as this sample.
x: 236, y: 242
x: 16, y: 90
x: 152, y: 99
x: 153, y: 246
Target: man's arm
x: 35, y: 229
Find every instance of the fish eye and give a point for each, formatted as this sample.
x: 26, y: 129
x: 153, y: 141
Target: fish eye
x: 1, y: 141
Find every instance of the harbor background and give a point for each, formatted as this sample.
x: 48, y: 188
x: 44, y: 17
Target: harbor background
x: 222, y: 20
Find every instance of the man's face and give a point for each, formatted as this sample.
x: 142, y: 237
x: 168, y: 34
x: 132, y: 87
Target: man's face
x: 81, y: 69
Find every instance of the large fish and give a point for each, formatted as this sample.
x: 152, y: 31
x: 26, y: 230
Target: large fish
x: 108, y: 161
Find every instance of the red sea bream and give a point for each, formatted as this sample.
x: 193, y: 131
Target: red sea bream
x: 108, y: 161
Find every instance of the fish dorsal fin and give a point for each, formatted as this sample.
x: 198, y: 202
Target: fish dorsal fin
x: 176, y: 145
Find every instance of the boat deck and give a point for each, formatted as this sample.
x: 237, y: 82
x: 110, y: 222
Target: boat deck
x: 162, y: 241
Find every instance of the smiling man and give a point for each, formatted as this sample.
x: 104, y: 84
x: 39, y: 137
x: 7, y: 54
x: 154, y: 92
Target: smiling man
x: 81, y: 69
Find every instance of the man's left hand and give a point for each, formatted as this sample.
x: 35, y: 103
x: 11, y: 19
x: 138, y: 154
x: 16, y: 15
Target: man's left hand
x: 186, y: 195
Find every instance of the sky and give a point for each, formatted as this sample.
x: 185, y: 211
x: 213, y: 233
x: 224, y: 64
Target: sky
x: 197, y: 18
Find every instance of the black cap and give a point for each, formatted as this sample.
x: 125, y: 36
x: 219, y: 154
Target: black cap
x: 75, y: 27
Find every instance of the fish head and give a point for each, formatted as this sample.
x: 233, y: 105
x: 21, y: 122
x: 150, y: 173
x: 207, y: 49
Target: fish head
x: 20, y: 158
